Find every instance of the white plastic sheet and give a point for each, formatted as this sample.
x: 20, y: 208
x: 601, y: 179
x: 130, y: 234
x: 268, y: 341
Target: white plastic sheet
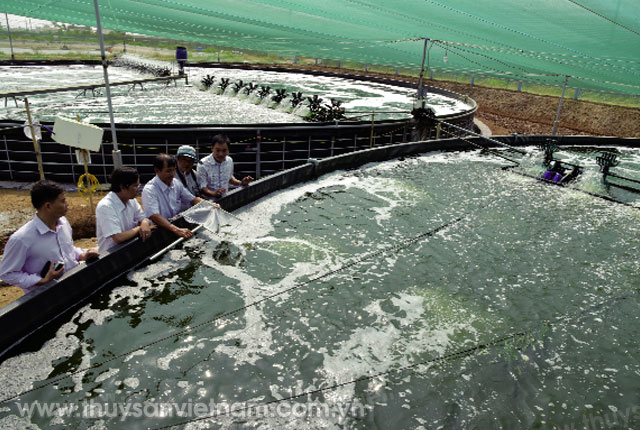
x: 217, y: 221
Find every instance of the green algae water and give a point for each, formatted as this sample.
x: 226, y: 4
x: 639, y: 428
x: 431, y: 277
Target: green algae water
x: 519, y: 299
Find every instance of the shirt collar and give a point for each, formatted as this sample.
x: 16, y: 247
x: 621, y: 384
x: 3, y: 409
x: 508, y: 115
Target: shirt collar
x: 210, y: 159
x: 42, y: 227
x: 115, y: 201
x: 164, y: 187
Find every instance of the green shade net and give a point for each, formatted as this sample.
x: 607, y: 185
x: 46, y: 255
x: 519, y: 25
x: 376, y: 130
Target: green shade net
x: 594, y: 42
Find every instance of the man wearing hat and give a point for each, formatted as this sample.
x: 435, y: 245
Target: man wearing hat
x: 186, y: 157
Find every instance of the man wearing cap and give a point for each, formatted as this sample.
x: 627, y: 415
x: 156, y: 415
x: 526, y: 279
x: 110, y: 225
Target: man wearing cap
x: 186, y: 157
x: 164, y: 196
x: 216, y: 169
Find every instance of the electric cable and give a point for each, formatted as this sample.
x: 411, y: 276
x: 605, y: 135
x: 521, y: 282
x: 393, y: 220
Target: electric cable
x: 604, y: 17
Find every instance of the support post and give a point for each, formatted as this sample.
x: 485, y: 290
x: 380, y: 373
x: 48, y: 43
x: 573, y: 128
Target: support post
x: 420, y: 83
x: 85, y: 159
x: 117, y: 156
x: 36, y: 146
x: 557, y: 121
x: 373, y: 121
x: 258, y: 155
x: 13, y: 57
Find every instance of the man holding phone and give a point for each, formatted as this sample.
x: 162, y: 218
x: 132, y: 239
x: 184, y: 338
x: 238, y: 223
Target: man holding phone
x: 42, y: 249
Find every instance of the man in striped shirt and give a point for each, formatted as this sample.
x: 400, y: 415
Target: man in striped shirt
x: 216, y: 169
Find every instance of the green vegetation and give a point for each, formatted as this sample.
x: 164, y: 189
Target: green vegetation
x: 81, y: 43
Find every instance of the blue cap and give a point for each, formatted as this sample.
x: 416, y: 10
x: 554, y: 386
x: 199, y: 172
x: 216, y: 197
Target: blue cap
x: 187, y: 151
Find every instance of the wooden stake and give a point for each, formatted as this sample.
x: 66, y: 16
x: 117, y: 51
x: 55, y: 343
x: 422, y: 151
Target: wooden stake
x: 85, y: 158
x: 36, y: 146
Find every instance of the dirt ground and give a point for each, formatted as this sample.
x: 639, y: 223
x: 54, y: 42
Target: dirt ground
x: 503, y: 111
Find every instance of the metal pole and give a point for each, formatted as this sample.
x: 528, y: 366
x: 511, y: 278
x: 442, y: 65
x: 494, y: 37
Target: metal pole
x: 13, y: 57
x: 117, y: 156
x: 424, y: 56
x: 557, y: 121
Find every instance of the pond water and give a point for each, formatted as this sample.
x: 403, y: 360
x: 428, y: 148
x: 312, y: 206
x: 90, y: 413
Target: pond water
x: 519, y: 299
x: 162, y: 104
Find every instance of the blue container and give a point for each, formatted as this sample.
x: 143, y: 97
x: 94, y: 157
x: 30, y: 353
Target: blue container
x: 181, y: 53
x: 548, y: 175
x: 557, y: 177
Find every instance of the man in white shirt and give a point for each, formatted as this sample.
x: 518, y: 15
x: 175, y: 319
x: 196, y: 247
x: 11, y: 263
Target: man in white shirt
x: 185, y: 158
x: 119, y: 216
x: 216, y: 169
x: 42, y: 249
x: 164, y: 196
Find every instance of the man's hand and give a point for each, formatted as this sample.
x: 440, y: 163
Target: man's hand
x: 183, y: 232
x: 89, y: 254
x: 245, y: 181
x: 214, y: 204
x: 145, y: 229
x: 219, y: 192
x: 51, y: 273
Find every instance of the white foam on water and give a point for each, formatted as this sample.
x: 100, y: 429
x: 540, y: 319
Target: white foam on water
x: 64, y: 343
x: 95, y: 315
x: 372, y: 349
x: 256, y: 340
x: 132, y: 383
x: 164, y: 362
x: 15, y: 422
x: 134, y: 354
x: 390, y: 191
x: 257, y: 216
x: 169, y: 263
x: 12, y: 371
x: 106, y: 375
x: 85, y: 363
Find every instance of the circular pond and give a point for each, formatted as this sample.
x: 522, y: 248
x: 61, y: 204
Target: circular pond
x: 430, y: 292
x: 189, y: 104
